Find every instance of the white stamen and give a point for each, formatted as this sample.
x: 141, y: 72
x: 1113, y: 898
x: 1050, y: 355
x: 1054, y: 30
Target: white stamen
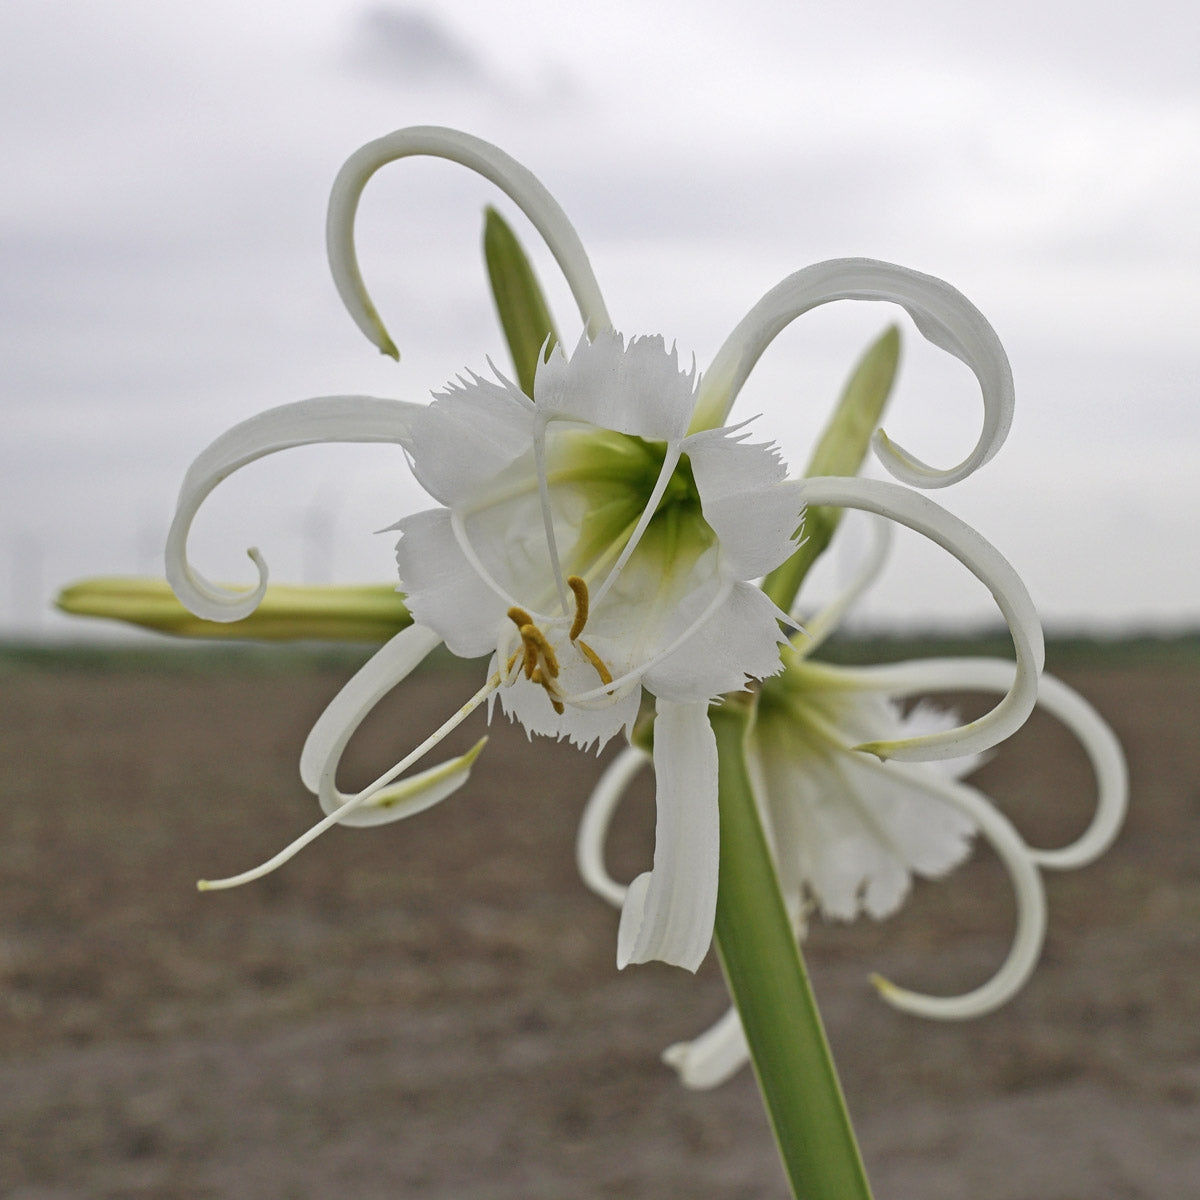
x: 464, y: 543
x: 670, y: 461
x: 539, y: 459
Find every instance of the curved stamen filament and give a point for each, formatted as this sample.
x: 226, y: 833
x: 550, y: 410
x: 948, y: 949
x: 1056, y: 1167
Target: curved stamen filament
x: 670, y: 462
x: 360, y: 798
x: 539, y: 458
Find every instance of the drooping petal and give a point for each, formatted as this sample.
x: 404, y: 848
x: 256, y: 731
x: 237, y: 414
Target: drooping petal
x: 597, y: 816
x: 1097, y: 739
x: 1031, y: 913
x: 481, y: 157
x: 669, y: 911
x: 329, y: 737
x: 986, y: 563
x: 756, y: 520
x: 943, y: 315
x: 323, y: 419
x: 710, y: 1059
x: 634, y: 388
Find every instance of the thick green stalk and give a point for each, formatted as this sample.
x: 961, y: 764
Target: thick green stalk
x: 766, y: 976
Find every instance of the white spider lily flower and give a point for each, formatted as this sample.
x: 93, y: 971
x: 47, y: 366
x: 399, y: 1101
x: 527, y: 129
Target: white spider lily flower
x: 848, y: 832
x: 596, y: 550
x: 599, y: 539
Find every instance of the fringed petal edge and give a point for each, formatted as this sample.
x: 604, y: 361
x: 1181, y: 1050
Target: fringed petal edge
x: 1062, y: 702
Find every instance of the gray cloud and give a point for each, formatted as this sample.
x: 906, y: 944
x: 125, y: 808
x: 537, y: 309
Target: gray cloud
x: 412, y: 47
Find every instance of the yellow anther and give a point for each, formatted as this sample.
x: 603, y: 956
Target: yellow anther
x: 519, y: 617
x: 531, y: 656
x: 535, y: 639
x: 597, y: 662
x: 580, y: 589
x: 540, y: 678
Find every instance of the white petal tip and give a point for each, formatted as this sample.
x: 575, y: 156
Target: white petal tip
x: 885, y: 987
x: 222, y: 885
x: 881, y: 750
x: 916, y: 1004
x: 678, y: 1057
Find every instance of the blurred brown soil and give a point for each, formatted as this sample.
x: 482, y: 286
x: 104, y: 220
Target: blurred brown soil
x: 432, y: 1009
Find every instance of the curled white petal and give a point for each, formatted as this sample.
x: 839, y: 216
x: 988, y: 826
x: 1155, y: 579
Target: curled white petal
x: 414, y: 793
x: 715, y: 1056
x: 942, y: 314
x: 818, y: 628
x: 1062, y: 702
x: 986, y: 563
x: 669, y: 911
x: 329, y: 737
x: 597, y: 816
x: 1108, y: 762
x: 323, y: 419
x: 339, y: 815
x: 1031, y: 912
x: 481, y: 157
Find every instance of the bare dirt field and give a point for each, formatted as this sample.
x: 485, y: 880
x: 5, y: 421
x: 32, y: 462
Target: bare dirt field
x: 432, y: 1009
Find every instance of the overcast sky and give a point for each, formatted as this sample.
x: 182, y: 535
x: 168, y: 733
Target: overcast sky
x: 163, y: 275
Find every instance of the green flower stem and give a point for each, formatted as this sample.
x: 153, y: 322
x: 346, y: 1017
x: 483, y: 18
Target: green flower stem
x: 761, y: 958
